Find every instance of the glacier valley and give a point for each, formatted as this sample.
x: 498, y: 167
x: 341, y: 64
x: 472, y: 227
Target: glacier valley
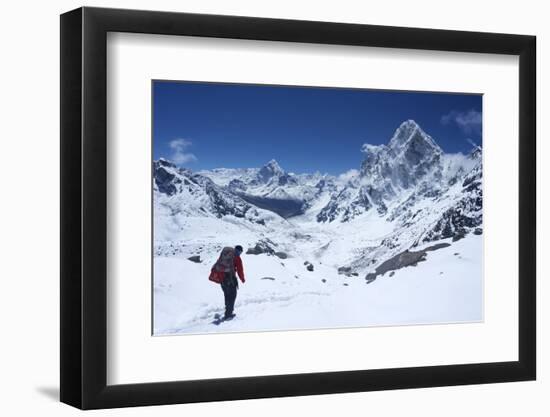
x: 395, y: 241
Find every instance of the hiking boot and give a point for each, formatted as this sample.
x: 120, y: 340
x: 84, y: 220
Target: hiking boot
x: 229, y: 316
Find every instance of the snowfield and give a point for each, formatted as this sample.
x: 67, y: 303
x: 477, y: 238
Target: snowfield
x: 445, y: 288
x: 397, y: 242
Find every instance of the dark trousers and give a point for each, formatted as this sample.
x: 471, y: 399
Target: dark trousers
x: 229, y: 287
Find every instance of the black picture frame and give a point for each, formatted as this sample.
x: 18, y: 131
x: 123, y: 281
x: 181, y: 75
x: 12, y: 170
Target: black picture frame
x: 84, y: 207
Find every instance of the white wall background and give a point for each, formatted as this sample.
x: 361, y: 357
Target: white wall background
x: 29, y: 225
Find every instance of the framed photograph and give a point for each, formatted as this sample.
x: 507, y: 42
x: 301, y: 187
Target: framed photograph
x: 256, y: 208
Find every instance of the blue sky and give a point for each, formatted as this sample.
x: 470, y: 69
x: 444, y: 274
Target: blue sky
x: 306, y: 129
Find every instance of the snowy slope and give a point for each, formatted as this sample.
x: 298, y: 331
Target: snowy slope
x: 446, y: 288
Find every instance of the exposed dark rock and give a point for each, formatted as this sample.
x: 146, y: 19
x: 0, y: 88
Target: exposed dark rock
x: 219, y: 201
x: 459, y: 220
x: 325, y: 184
x: 262, y: 246
x: 166, y: 182
x: 390, y: 242
x: 392, y: 273
x: 323, y: 280
x: 377, y: 197
x: 478, y: 231
x: 281, y: 255
x: 343, y: 270
x: 163, y: 162
x: 458, y: 236
x: 236, y: 185
x: 268, y: 278
x: 309, y: 268
x: 195, y: 258
x: 256, y: 250
x: 337, y: 205
x: 223, y: 202
x: 437, y: 246
x: 404, y: 208
x: 286, y: 179
x: 346, y: 270
x: 402, y: 260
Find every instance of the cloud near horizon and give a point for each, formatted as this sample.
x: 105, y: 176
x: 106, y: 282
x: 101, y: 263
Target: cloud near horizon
x: 469, y: 122
x: 179, y: 155
x: 348, y: 175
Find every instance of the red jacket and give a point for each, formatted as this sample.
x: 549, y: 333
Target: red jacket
x: 239, y: 268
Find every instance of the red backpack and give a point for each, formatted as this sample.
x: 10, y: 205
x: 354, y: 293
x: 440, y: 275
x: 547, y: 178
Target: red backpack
x: 225, y: 263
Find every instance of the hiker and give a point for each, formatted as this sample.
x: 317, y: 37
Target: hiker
x: 228, y: 263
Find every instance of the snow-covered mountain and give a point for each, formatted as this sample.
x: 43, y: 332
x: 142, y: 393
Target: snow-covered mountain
x: 191, y: 194
x: 272, y: 188
x: 410, y: 160
x: 407, y: 199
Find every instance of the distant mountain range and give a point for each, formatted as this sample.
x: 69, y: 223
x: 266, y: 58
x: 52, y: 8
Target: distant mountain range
x: 409, y: 188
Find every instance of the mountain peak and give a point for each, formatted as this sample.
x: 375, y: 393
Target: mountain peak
x: 273, y: 164
x: 165, y: 162
x: 405, y: 130
x: 409, y: 122
x: 274, y: 167
x: 408, y: 132
x: 410, y: 155
x: 271, y: 169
